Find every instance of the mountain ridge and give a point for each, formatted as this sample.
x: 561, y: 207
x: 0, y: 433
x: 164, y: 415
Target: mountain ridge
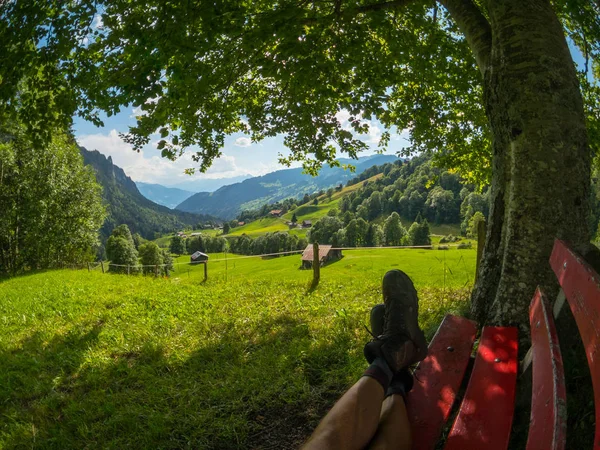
x: 163, y: 195
x: 227, y: 201
x: 126, y: 205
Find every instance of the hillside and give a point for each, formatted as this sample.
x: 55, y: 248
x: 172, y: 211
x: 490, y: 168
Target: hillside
x: 356, y: 215
x: 125, y: 204
x: 166, y: 196
x: 228, y: 201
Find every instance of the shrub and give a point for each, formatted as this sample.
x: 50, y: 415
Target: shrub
x: 464, y: 245
x: 443, y: 247
x: 449, y: 239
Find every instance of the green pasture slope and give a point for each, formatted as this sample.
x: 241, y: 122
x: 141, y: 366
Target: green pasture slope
x: 303, y: 212
x: 248, y: 360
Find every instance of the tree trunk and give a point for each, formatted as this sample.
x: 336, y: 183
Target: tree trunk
x: 541, y: 159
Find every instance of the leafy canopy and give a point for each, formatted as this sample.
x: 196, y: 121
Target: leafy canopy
x: 202, y: 70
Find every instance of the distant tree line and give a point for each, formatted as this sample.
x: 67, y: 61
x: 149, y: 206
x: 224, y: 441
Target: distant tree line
x: 353, y: 232
x: 276, y: 242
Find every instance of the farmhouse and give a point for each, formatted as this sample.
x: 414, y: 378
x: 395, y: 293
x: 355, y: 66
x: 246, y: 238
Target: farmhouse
x: 306, y: 224
x: 198, y: 257
x: 326, y: 254
x: 276, y: 212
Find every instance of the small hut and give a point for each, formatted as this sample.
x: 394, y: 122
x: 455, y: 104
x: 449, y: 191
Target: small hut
x: 198, y: 257
x: 306, y: 224
x: 326, y: 254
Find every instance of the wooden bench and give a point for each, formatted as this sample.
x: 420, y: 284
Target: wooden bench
x: 485, y: 417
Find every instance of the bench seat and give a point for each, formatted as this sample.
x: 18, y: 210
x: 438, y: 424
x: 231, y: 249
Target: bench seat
x: 484, y: 419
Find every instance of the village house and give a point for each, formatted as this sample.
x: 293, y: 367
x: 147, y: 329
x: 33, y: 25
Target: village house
x: 306, y: 224
x: 276, y: 212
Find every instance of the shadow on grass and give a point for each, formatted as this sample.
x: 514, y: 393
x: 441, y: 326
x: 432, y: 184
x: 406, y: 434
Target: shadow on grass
x: 263, y: 387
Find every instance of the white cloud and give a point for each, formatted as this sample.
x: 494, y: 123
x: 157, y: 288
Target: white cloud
x: 374, y: 134
x: 97, y: 22
x: 243, y: 142
x: 342, y: 116
x: 144, y: 166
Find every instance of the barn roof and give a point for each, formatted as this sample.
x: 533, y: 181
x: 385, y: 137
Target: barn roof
x: 199, y: 254
x: 308, y: 252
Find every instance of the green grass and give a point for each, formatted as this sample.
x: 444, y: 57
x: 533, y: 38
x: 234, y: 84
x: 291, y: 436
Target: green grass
x: 426, y: 267
x: 92, y: 360
x: 260, y: 226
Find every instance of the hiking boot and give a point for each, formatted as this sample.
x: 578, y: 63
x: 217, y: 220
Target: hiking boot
x: 377, y: 319
x: 402, y: 342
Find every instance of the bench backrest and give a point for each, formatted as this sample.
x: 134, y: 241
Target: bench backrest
x: 581, y: 287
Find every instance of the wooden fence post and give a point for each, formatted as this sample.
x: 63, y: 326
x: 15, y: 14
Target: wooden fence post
x: 205, y: 272
x: 156, y: 271
x: 316, y: 266
x: 127, y: 269
x: 480, y: 245
x: 102, y: 265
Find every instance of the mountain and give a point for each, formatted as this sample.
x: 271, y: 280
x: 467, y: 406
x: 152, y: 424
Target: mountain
x: 207, y: 184
x: 125, y: 203
x: 228, y: 201
x: 166, y: 196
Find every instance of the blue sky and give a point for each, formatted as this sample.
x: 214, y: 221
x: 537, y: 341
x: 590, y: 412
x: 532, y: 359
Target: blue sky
x: 240, y: 155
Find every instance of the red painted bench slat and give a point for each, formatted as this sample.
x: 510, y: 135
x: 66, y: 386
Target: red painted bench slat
x: 438, y: 379
x: 548, y: 427
x: 581, y: 285
x: 485, y: 417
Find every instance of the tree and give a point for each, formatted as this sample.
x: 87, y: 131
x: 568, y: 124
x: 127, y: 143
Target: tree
x: 294, y: 218
x: 177, y: 245
x: 324, y: 228
x: 121, y: 251
x: 150, y: 257
x: 138, y: 240
x: 418, y: 233
x: 497, y: 89
x: 393, y: 230
x: 167, y: 262
x: 50, y: 204
x: 315, y: 201
x: 375, y: 205
x: 226, y: 228
x: 474, y: 224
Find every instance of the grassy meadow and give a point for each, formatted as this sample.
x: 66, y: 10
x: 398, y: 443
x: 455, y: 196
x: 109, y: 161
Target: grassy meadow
x: 249, y: 359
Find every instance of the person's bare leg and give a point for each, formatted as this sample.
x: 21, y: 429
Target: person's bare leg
x: 394, y: 427
x: 397, y: 343
x: 352, y: 421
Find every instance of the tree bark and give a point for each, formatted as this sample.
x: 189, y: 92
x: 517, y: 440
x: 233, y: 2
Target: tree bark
x: 541, y: 159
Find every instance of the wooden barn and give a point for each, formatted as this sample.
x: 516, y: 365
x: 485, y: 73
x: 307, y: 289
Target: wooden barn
x: 198, y: 257
x: 326, y: 254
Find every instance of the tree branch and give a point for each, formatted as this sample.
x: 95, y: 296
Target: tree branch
x: 474, y: 26
x: 380, y: 6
